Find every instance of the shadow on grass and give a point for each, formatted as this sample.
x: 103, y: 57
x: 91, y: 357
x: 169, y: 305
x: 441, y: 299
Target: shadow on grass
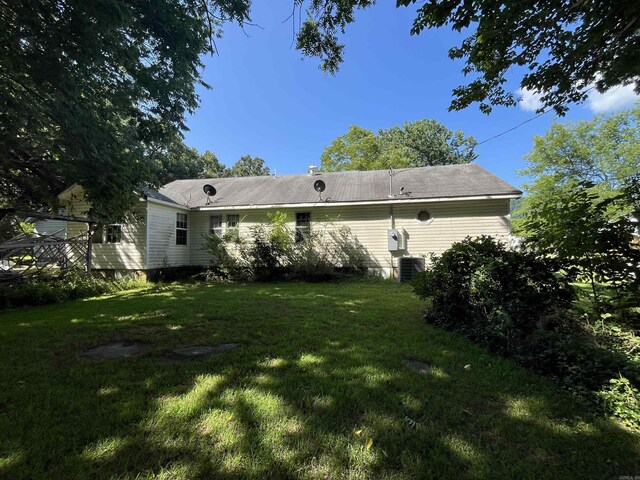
x: 320, y: 389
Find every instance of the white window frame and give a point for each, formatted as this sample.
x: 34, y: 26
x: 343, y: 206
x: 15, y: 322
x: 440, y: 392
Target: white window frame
x: 101, y: 234
x: 219, y: 229
x: 233, y: 231
x: 180, y: 228
x: 303, y: 231
x: 107, y: 233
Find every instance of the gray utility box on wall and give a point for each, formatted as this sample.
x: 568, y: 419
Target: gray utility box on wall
x: 397, y: 239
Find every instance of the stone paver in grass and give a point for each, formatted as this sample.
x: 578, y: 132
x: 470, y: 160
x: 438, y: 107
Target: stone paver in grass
x: 419, y: 366
x: 200, y: 351
x: 116, y: 351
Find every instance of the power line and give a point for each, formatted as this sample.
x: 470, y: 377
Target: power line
x: 513, y: 128
x: 529, y: 120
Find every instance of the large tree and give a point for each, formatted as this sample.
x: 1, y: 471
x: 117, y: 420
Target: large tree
x: 177, y: 161
x: 414, y: 144
x: 603, y: 152
x: 211, y: 166
x: 89, y: 89
x: 248, y: 166
x: 358, y: 149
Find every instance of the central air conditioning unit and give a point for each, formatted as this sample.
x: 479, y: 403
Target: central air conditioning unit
x: 409, y: 267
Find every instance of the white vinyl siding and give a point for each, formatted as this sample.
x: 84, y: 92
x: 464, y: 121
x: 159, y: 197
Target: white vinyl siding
x: 163, y: 251
x: 128, y: 254
x: 50, y: 227
x: 450, y: 222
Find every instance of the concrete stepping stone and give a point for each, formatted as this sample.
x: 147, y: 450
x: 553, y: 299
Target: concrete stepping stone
x: 419, y: 366
x: 200, y: 351
x: 116, y: 351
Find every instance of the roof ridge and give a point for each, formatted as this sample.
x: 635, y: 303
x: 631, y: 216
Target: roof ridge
x: 320, y: 172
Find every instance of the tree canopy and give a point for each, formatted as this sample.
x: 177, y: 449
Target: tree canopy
x: 603, y: 152
x: 248, y: 166
x: 178, y: 161
x: 414, y: 144
x: 89, y: 90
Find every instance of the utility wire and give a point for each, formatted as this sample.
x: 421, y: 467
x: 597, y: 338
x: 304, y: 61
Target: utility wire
x: 513, y: 128
x: 527, y: 121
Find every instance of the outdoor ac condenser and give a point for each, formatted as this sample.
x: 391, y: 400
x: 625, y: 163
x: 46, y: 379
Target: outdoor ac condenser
x: 409, y: 267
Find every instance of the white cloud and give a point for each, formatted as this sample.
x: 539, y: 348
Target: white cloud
x: 616, y: 98
x: 529, y: 100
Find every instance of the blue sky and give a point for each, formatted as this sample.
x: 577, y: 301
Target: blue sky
x: 267, y: 101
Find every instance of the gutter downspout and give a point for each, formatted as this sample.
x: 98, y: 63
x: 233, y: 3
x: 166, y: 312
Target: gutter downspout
x: 393, y: 225
x: 146, y: 246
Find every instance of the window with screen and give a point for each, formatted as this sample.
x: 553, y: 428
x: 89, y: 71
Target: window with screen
x: 215, y: 225
x: 233, y: 226
x: 114, y: 233
x: 303, y: 226
x: 181, y: 228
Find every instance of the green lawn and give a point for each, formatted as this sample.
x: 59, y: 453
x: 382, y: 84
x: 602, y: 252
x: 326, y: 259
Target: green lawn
x: 319, y: 389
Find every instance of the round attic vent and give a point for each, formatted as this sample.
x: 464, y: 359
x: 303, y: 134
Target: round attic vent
x: 424, y: 216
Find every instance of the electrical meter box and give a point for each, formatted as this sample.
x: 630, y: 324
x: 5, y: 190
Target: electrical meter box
x: 396, y: 238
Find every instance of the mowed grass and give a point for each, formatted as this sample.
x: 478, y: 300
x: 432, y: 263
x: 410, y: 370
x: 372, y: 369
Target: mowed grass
x: 319, y: 389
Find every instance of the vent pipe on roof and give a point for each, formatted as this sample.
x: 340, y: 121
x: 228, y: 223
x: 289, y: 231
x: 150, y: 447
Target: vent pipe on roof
x: 312, y: 170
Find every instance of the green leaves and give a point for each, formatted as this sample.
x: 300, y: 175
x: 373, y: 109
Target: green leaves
x: 604, y: 152
x: 248, y: 166
x: 576, y: 228
x: 90, y: 89
x: 415, y: 144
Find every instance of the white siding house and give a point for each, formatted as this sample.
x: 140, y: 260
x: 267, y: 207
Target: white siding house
x: 431, y: 207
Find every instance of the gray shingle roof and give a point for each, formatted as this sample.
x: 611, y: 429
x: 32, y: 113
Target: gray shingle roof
x: 448, y: 181
x: 157, y: 195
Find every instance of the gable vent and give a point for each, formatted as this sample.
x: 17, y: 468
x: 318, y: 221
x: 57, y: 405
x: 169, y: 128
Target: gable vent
x: 409, y: 267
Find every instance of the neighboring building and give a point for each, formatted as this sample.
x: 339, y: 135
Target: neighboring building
x: 425, y: 209
x: 51, y: 226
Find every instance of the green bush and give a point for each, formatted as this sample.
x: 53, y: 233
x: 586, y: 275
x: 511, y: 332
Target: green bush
x: 270, y: 250
x: 71, y: 286
x: 326, y: 253
x: 494, y: 295
x: 622, y: 400
x: 521, y: 305
x: 593, y: 237
x: 224, y: 264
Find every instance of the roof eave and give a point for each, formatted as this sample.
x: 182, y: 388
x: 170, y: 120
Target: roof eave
x: 207, y: 208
